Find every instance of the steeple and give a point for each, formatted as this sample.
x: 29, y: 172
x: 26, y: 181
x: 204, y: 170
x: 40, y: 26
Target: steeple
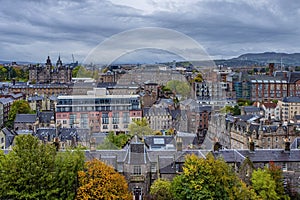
x: 59, y: 62
x: 48, y: 62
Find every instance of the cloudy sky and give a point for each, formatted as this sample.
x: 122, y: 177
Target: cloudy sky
x: 30, y: 30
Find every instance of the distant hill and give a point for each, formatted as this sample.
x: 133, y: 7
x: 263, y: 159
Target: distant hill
x: 262, y: 59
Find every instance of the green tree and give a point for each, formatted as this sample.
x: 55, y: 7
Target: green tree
x: 26, y: 171
x: 3, y: 73
x: 81, y: 72
x: 236, y: 110
x: 179, y: 87
x: 100, y: 181
x: 33, y: 170
x: 140, y: 127
x: 18, y: 107
x: 264, y: 185
x: 67, y: 165
x: 208, y: 178
x: 113, y: 141
x: 161, y: 190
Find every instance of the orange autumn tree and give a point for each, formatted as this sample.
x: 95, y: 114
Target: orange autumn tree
x: 100, y: 181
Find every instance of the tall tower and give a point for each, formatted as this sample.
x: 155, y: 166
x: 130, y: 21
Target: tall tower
x: 48, y: 62
x: 59, y: 62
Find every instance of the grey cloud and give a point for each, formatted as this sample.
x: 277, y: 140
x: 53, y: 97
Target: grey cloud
x: 224, y: 27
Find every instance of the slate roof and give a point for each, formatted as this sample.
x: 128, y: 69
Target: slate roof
x: 154, y: 111
x: 53, y: 98
x: 166, y: 164
x: 49, y: 133
x: 248, y: 109
x: 68, y: 134
x: 292, y: 99
x: 294, y: 76
x: 35, y: 98
x: 254, y: 127
x: 16, y: 95
x: 266, y: 155
x: 175, y: 113
x: 9, y: 137
x: 297, y: 117
x: 159, y: 142
x: 245, y: 117
x: 6, y: 100
x: 259, y: 155
x: 296, y: 143
x: 46, y: 116
x: 25, y: 118
x: 111, y: 157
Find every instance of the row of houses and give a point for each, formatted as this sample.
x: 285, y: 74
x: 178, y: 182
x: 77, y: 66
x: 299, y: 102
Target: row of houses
x: 163, y: 157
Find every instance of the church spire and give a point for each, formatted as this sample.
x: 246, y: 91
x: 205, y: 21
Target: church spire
x: 59, y: 62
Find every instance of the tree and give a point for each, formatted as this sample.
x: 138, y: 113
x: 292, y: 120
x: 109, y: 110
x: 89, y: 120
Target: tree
x: 100, y: 181
x: 18, y: 107
x: 33, y: 170
x: 67, y: 166
x: 140, y: 127
x: 82, y: 72
x: 276, y: 175
x: 235, y: 110
x: 198, y: 78
x: 3, y: 73
x: 179, y: 87
x: 161, y: 190
x: 264, y: 185
x: 113, y: 141
x: 208, y: 178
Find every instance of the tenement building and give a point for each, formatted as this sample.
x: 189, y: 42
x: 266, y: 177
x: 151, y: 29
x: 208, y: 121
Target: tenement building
x: 98, y: 111
x: 275, y: 85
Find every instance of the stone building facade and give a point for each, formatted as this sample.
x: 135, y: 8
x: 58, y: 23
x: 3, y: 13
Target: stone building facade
x: 50, y: 74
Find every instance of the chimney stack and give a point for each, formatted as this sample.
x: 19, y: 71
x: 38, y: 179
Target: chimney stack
x: 251, y: 145
x: 93, y: 144
x: 271, y: 69
x: 287, y: 145
x: 179, y: 144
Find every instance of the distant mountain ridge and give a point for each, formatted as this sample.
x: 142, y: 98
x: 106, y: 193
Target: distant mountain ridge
x: 286, y: 59
x: 248, y: 59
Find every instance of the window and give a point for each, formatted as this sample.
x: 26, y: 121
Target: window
x: 105, y: 127
x: 126, y: 117
x: 115, y: 118
x: 137, y: 170
x: 64, y: 121
x: 284, y: 166
x: 115, y: 126
x: 153, y: 167
x: 84, y: 120
x: 105, y: 119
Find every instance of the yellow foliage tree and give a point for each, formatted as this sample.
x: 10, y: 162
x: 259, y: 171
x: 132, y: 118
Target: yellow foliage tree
x: 100, y: 181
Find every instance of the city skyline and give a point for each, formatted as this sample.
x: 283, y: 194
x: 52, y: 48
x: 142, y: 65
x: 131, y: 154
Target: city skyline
x: 31, y: 30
